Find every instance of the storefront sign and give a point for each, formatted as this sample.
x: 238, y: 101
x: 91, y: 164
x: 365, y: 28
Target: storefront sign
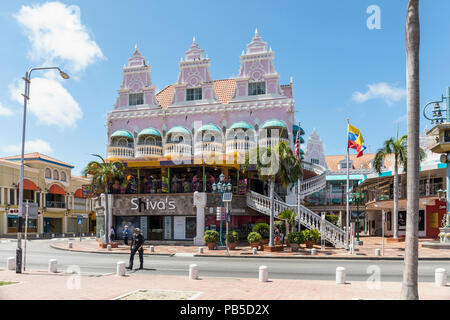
x: 434, y: 217
x: 153, y: 204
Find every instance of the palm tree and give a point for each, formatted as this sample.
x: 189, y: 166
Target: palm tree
x: 103, y: 173
x: 289, y: 216
x: 398, y: 148
x: 412, y: 41
x: 275, y: 164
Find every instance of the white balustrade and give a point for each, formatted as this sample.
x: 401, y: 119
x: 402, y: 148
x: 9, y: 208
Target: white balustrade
x: 148, y: 151
x: 120, y: 152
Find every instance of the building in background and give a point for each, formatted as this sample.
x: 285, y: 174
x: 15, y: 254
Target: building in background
x: 49, y: 183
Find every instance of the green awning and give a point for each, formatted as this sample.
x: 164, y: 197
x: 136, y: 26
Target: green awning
x: 179, y: 129
x: 241, y: 125
x: 150, y: 131
x: 122, y: 133
x: 344, y: 177
x: 295, y: 129
x: 210, y: 127
x: 273, y: 123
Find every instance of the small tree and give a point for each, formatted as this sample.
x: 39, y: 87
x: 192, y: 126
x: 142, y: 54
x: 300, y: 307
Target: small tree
x: 288, y: 216
x: 103, y: 173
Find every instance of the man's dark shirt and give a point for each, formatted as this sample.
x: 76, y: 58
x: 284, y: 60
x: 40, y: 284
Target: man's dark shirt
x: 138, y: 240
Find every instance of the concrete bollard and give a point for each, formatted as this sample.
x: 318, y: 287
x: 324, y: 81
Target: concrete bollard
x: 37, y: 236
x: 313, y: 251
x: 52, y: 266
x: 70, y: 245
x: 53, y: 235
x: 152, y: 248
x: 108, y: 247
x: 340, y: 275
x: 263, y: 274
x: 440, y: 277
x: 255, y: 250
x: 193, y: 272
x: 120, y: 270
x: 200, y: 250
x: 83, y: 234
x: 11, y: 263
x: 377, y: 252
x: 63, y: 235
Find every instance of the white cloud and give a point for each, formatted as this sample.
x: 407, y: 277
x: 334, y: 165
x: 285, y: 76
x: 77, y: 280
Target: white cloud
x: 50, y: 102
x: 400, y: 119
x: 57, y: 35
x: 36, y: 145
x: 5, y: 111
x: 381, y: 90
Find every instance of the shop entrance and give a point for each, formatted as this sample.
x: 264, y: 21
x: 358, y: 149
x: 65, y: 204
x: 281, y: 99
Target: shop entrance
x: 155, y: 228
x: 52, y: 225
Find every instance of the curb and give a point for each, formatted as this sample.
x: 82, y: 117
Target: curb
x: 110, y: 252
x: 319, y: 257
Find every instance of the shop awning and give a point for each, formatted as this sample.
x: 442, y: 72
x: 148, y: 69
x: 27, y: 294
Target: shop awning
x: 28, y: 185
x: 55, y: 189
x: 150, y: 132
x: 210, y: 127
x: 241, y: 125
x: 122, y: 133
x: 79, y: 193
x: 274, y: 123
x: 179, y: 129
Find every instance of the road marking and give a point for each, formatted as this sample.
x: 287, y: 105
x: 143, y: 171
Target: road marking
x: 184, y: 254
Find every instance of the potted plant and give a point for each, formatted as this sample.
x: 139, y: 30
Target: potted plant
x: 254, y: 238
x: 263, y: 230
x: 211, y: 238
x: 311, y: 237
x: 295, y: 239
x: 232, y: 240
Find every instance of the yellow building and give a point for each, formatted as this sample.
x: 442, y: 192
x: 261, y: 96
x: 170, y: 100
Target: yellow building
x: 50, y: 183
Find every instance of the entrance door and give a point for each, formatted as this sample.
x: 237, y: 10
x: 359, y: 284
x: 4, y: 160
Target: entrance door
x: 155, y: 228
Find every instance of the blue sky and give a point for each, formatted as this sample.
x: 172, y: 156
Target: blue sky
x: 324, y: 45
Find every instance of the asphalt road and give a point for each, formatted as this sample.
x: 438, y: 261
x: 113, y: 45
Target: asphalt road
x: 39, y: 252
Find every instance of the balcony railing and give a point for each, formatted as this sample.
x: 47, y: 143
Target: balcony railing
x: 148, y: 151
x: 239, y: 145
x: 177, y: 149
x: 270, y: 142
x: 56, y: 204
x: 206, y: 147
x: 120, y: 152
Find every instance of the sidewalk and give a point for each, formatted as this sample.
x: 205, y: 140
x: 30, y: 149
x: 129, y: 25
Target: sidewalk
x: 391, y: 251
x: 62, y: 286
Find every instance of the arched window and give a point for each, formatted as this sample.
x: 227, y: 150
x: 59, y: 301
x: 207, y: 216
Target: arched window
x: 63, y: 176
x: 55, y: 175
x: 48, y: 173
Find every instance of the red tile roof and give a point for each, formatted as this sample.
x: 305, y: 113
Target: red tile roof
x: 224, y: 90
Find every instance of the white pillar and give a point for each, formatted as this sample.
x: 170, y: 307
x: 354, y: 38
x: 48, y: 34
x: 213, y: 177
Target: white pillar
x: 377, y: 252
x: 70, y: 245
x: 2, y: 195
x: 152, y: 248
x: 200, y: 203
x: 263, y: 274
x: 8, y: 196
x: 120, y: 270
x: 52, y: 266
x: 340, y: 219
x: 11, y: 263
x: 440, y: 277
x: 200, y: 250
x: 193, y: 272
x: 340, y: 275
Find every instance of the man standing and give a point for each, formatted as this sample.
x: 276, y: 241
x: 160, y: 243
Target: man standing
x: 137, y: 243
x: 126, y: 233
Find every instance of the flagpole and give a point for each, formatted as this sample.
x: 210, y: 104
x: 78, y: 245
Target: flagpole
x: 347, y: 217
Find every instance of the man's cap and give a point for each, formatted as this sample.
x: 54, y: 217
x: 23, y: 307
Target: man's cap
x: 137, y: 229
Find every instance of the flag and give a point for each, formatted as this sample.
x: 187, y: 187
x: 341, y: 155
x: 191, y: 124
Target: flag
x: 297, y: 144
x: 355, y: 140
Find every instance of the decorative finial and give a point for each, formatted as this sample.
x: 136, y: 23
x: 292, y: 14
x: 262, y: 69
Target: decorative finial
x: 270, y: 49
x: 207, y: 57
x: 135, y: 46
x: 193, y: 41
x: 256, y: 32
x: 292, y: 79
x: 242, y: 52
x: 181, y: 59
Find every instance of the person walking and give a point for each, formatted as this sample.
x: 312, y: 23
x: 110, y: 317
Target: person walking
x: 137, y: 245
x: 112, y: 234
x: 126, y: 233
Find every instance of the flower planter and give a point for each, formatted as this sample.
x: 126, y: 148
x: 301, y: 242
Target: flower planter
x: 288, y: 244
x: 264, y: 241
x: 309, y: 244
x: 232, y: 245
x: 104, y: 245
x: 295, y: 247
x: 211, y: 245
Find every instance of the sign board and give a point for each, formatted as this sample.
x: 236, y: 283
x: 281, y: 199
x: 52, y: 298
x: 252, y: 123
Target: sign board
x: 87, y: 190
x: 32, y: 210
x: 227, y: 196
x: 80, y: 220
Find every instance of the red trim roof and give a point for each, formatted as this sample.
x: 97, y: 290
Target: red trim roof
x: 28, y: 185
x: 55, y: 189
x: 79, y: 193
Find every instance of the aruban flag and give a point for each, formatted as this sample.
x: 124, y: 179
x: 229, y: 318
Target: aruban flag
x: 355, y: 140
x: 297, y: 144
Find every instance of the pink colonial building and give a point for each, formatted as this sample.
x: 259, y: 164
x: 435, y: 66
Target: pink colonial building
x: 163, y: 138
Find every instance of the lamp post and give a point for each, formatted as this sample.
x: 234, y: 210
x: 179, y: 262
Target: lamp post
x: 220, y: 189
x: 441, y: 118
x: 356, y: 197
x: 26, y: 97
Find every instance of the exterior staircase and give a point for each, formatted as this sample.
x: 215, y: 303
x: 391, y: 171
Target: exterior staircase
x: 308, y: 218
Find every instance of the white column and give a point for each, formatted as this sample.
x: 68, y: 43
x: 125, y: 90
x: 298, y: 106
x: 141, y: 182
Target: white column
x: 8, y: 195
x: 73, y: 202
x: 200, y: 203
x: 2, y: 195
x: 5, y: 223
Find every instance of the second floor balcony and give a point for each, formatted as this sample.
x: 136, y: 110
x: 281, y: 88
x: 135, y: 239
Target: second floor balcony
x: 178, y: 149
x: 123, y: 152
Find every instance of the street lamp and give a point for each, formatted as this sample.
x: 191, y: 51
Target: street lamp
x: 442, y: 131
x: 357, y: 196
x: 220, y: 188
x: 26, y: 97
